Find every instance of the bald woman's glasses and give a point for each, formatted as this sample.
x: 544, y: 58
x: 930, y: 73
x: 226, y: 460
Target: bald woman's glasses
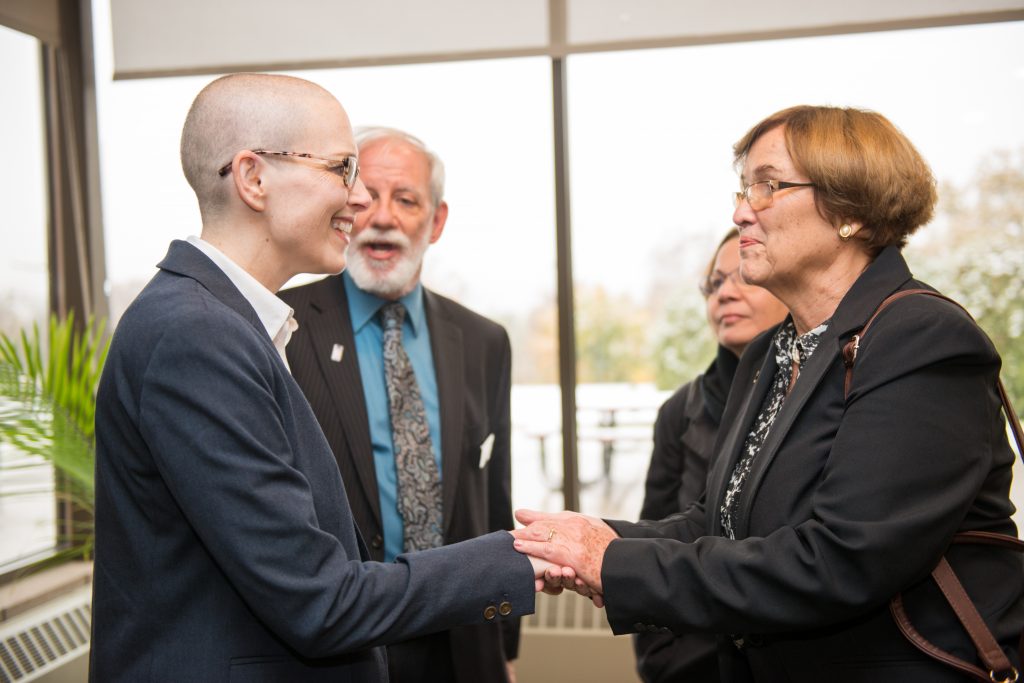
x: 347, y: 169
x: 761, y: 195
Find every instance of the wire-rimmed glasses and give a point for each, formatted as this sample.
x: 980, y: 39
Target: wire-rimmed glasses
x: 760, y: 195
x: 710, y: 285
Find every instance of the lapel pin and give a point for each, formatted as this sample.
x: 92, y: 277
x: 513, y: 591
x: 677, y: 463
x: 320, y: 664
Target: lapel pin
x: 336, y: 352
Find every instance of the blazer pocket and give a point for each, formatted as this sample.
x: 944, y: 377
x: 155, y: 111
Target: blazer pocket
x: 260, y: 669
x: 485, y: 450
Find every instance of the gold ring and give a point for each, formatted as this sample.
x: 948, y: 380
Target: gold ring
x: 551, y: 534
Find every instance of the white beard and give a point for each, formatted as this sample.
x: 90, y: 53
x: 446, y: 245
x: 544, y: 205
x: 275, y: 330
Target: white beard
x: 391, y: 279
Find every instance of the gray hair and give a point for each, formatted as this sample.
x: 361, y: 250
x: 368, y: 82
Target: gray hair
x: 364, y: 135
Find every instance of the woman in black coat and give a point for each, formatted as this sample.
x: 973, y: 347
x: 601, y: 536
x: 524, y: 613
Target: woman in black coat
x: 684, y: 435
x: 821, y: 505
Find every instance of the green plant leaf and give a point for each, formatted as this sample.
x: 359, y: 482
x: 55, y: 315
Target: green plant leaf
x: 47, y: 408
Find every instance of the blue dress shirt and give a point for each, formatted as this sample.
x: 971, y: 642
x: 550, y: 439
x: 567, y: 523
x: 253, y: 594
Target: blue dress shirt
x: 369, y: 335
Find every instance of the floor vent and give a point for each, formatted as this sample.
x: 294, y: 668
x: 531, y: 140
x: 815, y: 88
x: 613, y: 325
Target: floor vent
x: 43, y: 640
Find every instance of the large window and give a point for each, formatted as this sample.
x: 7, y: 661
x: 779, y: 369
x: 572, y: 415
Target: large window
x: 650, y: 167
x: 27, y: 507
x: 497, y: 253
x: 491, y: 124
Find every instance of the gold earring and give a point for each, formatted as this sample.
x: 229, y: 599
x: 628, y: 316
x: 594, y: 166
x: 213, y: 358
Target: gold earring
x: 845, y: 232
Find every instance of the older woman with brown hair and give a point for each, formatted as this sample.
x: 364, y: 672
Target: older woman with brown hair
x: 824, y: 501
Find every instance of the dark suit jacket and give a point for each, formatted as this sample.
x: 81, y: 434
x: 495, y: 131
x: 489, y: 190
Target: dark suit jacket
x: 849, y: 502
x: 225, y: 546
x: 472, y: 359
x: 684, y: 439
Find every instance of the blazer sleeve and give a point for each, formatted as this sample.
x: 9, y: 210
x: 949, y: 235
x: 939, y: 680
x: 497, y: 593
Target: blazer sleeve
x: 499, y: 469
x: 213, y: 419
x: 919, y: 442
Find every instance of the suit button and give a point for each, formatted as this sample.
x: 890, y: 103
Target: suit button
x: 489, y: 612
x: 639, y: 627
x: 376, y: 542
x: 505, y: 608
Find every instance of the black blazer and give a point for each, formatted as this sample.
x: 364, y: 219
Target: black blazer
x: 684, y: 439
x: 849, y: 501
x: 472, y: 359
x: 225, y: 546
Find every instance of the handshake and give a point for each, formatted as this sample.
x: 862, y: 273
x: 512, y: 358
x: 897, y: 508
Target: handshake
x: 566, y: 550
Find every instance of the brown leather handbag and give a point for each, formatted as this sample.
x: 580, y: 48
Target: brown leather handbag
x: 1000, y: 669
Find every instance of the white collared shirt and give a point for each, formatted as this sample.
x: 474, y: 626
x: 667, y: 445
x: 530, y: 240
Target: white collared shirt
x: 278, y: 318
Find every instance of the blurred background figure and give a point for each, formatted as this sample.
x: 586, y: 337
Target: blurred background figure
x: 684, y: 435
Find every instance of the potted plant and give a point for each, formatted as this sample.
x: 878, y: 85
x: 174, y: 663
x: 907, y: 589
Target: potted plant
x: 47, y: 405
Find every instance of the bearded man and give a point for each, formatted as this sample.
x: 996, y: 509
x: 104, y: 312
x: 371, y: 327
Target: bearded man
x: 374, y: 351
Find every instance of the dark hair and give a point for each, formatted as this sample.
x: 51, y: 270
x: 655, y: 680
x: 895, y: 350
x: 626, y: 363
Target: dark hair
x: 733, y: 233
x: 863, y: 168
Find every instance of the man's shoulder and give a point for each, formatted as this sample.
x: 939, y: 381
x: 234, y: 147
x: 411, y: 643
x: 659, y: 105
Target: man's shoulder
x: 305, y: 294
x: 466, y: 318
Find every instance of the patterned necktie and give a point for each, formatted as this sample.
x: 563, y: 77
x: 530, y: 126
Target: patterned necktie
x: 419, y: 486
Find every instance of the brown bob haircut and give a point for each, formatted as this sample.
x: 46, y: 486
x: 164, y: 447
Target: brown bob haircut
x: 863, y: 169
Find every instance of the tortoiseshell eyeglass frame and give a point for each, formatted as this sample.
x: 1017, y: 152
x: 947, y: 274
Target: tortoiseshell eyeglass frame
x: 348, y: 167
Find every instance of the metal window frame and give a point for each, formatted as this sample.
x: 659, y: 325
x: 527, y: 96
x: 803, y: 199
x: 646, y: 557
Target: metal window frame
x: 77, y: 270
x: 74, y: 227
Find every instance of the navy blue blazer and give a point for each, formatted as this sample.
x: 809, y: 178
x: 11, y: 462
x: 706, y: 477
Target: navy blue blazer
x: 851, y: 500
x: 225, y: 546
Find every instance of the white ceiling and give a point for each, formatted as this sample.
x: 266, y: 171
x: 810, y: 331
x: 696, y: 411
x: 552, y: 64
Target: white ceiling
x: 154, y: 38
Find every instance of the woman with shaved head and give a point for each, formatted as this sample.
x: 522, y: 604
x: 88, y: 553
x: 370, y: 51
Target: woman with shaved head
x: 225, y: 546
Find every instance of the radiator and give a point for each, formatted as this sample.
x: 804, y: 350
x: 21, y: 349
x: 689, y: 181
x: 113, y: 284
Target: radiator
x: 49, y: 643
x: 567, y: 614
x: 568, y: 639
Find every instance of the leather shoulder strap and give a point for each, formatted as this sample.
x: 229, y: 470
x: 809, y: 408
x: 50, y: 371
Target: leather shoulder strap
x: 1000, y: 669
x: 851, y: 348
